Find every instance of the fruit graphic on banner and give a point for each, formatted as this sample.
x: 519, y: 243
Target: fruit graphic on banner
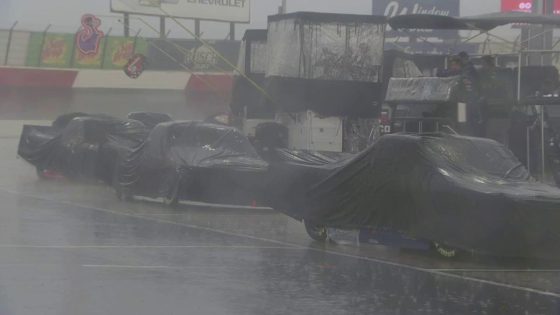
x: 56, y: 50
x: 120, y: 51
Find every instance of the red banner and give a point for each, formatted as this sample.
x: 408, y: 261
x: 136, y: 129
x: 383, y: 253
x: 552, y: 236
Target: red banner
x: 525, y: 6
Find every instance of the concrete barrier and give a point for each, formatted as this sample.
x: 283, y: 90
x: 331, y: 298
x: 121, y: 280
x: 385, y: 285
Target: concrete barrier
x: 115, y: 79
x: 12, y: 128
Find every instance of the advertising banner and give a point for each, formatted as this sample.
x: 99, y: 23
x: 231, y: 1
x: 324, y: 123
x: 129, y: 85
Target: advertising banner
x: 56, y: 50
x: 393, y: 8
x: 120, y: 49
x: 89, y: 43
x: 216, y: 10
x: 192, y: 55
x: 524, y: 6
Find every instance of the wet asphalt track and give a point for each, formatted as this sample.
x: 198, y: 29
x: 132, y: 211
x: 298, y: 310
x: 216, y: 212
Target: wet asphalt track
x: 68, y: 248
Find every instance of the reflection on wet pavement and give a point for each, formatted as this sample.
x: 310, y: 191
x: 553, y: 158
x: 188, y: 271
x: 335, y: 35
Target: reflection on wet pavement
x: 73, y: 248
x: 68, y: 248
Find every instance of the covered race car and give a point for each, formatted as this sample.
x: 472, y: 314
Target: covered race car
x: 466, y: 193
x: 293, y: 172
x: 149, y: 119
x: 193, y: 160
x: 80, y: 146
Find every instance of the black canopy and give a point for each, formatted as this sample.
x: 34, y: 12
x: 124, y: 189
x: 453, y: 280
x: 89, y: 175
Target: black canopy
x: 319, y: 17
x: 484, y: 22
x: 255, y: 34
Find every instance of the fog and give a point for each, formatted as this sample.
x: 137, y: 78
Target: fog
x: 64, y: 15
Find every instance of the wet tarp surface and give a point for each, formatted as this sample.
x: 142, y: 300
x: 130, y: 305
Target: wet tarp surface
x: 150, y: 120
x: 293, y: 172
x: 470, y: 193
x: 196, y: 161
x: 86, y: 148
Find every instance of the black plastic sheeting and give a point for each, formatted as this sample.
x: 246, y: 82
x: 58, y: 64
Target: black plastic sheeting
x: 195, y: 161
x: 293, y: 172
x: 149, y: 119
x: 326, y: 98
x: 247, y: 97
x: 469, y: 193
x: 86, y: 148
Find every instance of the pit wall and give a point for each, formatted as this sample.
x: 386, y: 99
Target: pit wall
x: 22, y: 77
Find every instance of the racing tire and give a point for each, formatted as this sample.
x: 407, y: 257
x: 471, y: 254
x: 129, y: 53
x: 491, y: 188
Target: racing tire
x: 41, y: 173
x: 172, y: 197
x: 316, y: 232
x: 123, y: 195
x: 445, y: 251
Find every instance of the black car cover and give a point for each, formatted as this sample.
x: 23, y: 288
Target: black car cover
x: 150, y: 120
x: 293, y: 172
x: 86, y: 147
x: 470, y: 193
x: 199, y: 161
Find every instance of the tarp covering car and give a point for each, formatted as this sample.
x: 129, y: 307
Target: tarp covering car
x: 85, y: 148
x: 293, y: 172
x: 469, y: 193
x: 193, y: 160
x: 150, y: 119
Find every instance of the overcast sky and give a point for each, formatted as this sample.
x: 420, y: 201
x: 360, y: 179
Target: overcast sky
x: 64, y: 15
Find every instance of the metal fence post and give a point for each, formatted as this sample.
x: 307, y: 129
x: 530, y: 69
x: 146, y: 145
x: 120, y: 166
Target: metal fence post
x: 135, y: 41
x: 106, y: 42
x: 126, y: 24
x: 40, y: 61
x: 73, y: 51
x: 232, y: 31
x: 9, y: 44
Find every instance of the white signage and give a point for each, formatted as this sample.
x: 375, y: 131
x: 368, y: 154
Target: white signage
x: 238, y: 11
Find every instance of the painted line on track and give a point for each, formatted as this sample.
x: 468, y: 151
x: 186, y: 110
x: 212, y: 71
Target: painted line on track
x: 374, y: 260
x: 131, y: 267
x: 495, y: 270
x: 15, y: 246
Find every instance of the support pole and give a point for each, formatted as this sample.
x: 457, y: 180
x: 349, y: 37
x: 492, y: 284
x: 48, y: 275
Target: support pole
x: 73, y: 51
x: 40, y: 60
x: 162, y: 27
x: 232, y: 31
x: 543, y: 161
x: 197, y: 27
x: 540, y: 36
x: 136, y: 40
x: 9, y: 44
x: 126, y: 25
x: 105, y: 44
